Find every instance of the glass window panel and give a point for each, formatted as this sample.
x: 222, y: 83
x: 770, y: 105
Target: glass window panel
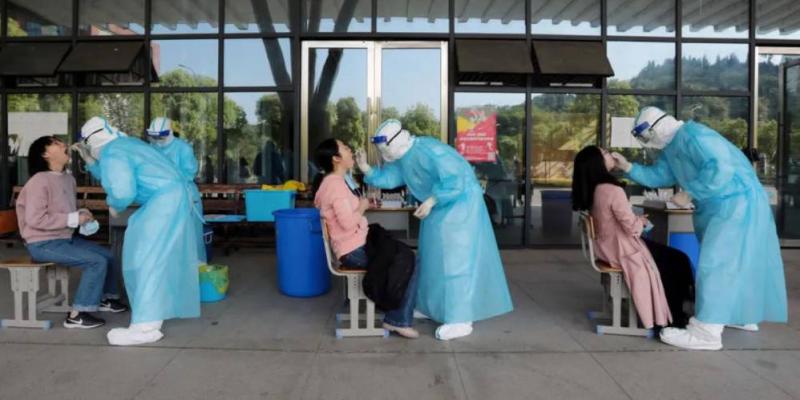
x: 39, y: 18
x: 124, y: 111
x: 499, y: 162
x: 338, y: 15
x: 727, y: 115
x: 778, y: 19
x: 768, y: 113
x: 111, y: 17
x: 258, y: 62
x: 258, y: 135
x: 411, y: 89
x: 577, y: 17
x: 184, y: 16
x: 337, y: 104
x: 258, y: 16
x: 641, y: 17
x: 490, y: 16
x: 715, y: 19
x: 714, y: 66
x: 185, y: 63
x: 31, y: 116
x: 563, y: 124
x: 628, y: 106
x: 194, y: 118
x: 641, y: 65
x: 413, y: 16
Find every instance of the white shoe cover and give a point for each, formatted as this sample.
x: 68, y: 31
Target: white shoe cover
x: 670, y: 331
x: 136, y: 334
x: 453, y: 331
x: 696, y: 336
x: 746, y: 327
x: 419, y: 315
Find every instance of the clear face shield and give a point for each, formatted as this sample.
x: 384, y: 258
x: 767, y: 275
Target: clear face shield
x: 160, y: 137
x: 382, y: 143
x: 646, y: 134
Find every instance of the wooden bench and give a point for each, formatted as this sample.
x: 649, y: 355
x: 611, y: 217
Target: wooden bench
x: 355, y: 293
x: 615, y: 289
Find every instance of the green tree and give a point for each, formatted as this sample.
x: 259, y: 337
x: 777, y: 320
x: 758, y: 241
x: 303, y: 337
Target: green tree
x: 420, y: 120
x: 349, y: 126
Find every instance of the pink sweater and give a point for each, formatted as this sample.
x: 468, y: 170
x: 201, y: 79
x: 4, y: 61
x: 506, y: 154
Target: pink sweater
x: 617, y: 242
x: 338, y: 206
x: 44, y: 206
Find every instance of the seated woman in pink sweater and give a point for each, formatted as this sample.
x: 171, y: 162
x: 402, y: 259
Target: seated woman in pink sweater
x: 659, y: 277
x: 47, y: 216
x: 340, y: 204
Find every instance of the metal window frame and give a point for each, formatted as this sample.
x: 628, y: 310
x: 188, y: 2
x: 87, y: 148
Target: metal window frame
x: 756, y: 47
x: 374, y: 59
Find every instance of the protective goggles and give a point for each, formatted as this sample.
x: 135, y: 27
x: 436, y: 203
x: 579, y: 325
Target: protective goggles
x: 384, y: 139
x: 160, y: 134
x: 645, y: 131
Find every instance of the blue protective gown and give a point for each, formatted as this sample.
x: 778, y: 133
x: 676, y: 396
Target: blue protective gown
x: 740, y: 277
x: 181, y: 154
x: 461, y: 276
x: 159, y: 255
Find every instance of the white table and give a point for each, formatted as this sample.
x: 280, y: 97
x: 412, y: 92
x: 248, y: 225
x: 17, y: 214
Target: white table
x: 391, y: 219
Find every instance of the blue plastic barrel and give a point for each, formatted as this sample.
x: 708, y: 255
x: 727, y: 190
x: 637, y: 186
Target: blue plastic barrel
x: 302, y: 268
x: 687, y: 242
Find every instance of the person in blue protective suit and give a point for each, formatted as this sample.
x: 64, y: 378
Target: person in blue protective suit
x: 180, y: 152
x: 739, y: 282
x: 461, y: 278
x: 159, y: 255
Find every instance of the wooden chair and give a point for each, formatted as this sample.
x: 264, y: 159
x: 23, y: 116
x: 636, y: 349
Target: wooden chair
x: 355, y: 293
x: 615, y: 290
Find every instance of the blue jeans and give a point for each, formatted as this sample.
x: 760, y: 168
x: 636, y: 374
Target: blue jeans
x: 99, y: 276
x: 402, y: 316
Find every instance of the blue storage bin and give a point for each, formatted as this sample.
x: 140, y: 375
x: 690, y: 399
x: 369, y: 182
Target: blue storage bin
x: 259, y: 204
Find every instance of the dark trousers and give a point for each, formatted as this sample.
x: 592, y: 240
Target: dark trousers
x: 676, y: 275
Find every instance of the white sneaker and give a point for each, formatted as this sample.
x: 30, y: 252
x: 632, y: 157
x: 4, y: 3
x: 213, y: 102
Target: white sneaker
x: 131, y: 337
x: 696, y: 336
x: 453, y: 331
x: 419, y: 315
x: 746, y: 327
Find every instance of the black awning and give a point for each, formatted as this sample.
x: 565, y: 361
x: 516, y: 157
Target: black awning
x: 103, y: 56
x: 493, y: 56
x: 32, y: 59
x: 567, y: 57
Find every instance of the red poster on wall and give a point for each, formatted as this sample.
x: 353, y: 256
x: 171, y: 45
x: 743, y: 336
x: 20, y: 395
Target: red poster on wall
x: 476, y: 136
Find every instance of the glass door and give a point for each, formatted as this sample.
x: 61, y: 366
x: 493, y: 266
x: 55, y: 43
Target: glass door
x: 337, y: 97
x: 789, y: 149
x: 349, y: 87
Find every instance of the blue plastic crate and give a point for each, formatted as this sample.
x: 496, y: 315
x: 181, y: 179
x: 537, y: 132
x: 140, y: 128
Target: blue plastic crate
x: 259, y: 204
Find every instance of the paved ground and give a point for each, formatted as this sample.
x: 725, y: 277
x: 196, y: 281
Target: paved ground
x: 259, y: 344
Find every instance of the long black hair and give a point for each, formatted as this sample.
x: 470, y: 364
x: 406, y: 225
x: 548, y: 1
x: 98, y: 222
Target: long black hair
x: 588, y: 172
x: 36, y: 161
x: 323, y: 156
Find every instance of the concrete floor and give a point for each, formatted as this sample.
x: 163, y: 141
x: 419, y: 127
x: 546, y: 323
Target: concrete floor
x: 259, y: 344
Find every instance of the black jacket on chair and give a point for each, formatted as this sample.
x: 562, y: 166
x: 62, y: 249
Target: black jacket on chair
x: 390, y: 265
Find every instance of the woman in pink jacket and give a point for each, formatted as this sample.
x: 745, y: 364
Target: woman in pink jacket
x: 618, y: 241
x: 340, y: 204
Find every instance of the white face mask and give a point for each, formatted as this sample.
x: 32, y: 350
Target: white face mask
x: 89, y: 228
